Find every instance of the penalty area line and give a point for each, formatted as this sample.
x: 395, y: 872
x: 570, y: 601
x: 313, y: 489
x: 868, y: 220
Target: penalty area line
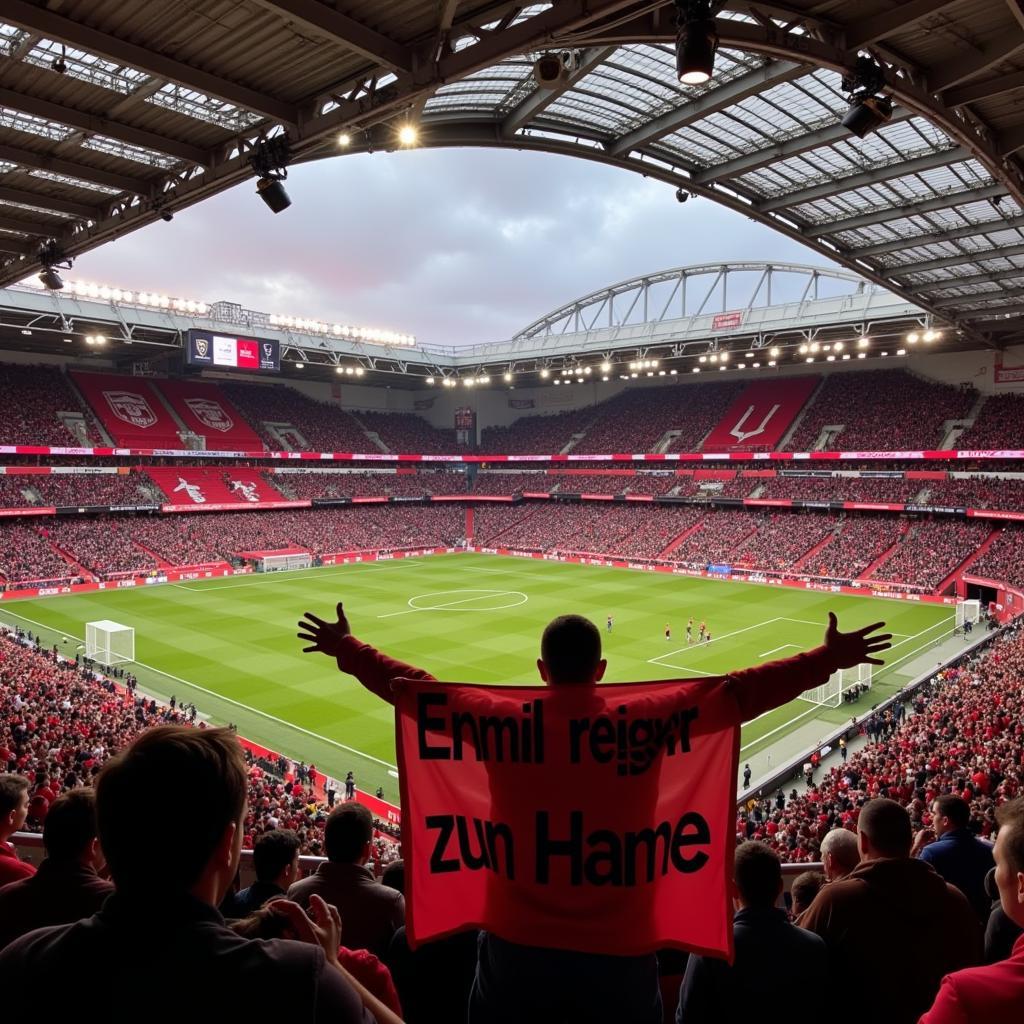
x: 775, y: 650
x: 229, y: 700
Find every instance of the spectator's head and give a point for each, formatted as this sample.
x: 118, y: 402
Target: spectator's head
x: 348, y: 834
x: 13, y: 803
x: 758, y: 875
x: 393, y: 876
x: 805, y: 888
x: 570, y: 652
x: 170, y: 809
x: 69, y: 834
x: 1009, y: 855
x: 839, y: 853
x: 883, y: 830
x: 949, y: 813
x: 275, y: 856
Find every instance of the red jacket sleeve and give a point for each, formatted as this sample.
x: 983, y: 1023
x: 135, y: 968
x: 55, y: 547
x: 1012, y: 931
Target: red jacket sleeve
x: 374, y: 670
x: 759, y: 689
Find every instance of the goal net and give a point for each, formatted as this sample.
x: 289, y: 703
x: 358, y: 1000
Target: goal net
x: 967, y: 611
x: 281, y: 563
x: 830, y: 694
x: 109, y: 643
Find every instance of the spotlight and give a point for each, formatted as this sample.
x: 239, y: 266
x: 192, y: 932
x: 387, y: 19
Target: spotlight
x: 901, y: 352
x: 862, y: 355
x: 929, y: 336
x: 868, y: 109
x: 605, y: 367
x: 51, y: 279
x: 549, y: 71
x: 802, y: 350
x: 429, y: 380
x: 913, y: 337
x: 344, y: 139
x: 508, y: 377
x: 339, y: 369
x: 724, y: 357
x: 682, y: 195
x: 300, y: 366
x: 696, y: 41
x: 270, y: 159
x: 359, y: 371
x: 273, y: 193
x: 696, y: 369
x: 702, y: 359
x: 863, y: 342
x: 544, y: 374
x: 407, y: 135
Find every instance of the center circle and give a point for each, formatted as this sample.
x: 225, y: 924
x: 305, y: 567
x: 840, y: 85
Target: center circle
x: 468, y: 600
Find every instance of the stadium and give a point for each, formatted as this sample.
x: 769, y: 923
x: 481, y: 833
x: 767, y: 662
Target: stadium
x: 705, y: 461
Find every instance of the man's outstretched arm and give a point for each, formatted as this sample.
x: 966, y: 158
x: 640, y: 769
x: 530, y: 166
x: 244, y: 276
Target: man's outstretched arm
x: 376, y: 671
x: 760, y: 689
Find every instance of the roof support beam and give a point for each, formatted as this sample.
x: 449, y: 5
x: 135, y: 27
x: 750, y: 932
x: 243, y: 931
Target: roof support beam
x: 937, y: 237
x: 1011, y: 140
x: 957, y: 260
x: 968, y: 282
x: 28, y: 227
x: 888, y: 213
x: 983, y: 90
x: 94, y: 125
x: 540, y: 99
x: 864, y: 178
x: 18, y: 245
x: 80, y: 210
x: 340, y: 28
x: 865, y: 31
x: 959, y: 300
x: 42, y: 162
x: 955, y: 72
x: 709, y: 102
x: 782, y: 151
x: 1011, y: 310
x: 55, y: 26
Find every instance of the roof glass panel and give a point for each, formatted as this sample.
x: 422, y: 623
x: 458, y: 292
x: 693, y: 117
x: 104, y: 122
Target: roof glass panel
x: 67, y: 179
x: 87, y: 67
x: 125, y: 150
x: 204, y: 108
x: 33, y: 125
x: 35, y: 209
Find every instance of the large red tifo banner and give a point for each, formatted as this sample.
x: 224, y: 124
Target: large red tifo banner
x: 598, y: 819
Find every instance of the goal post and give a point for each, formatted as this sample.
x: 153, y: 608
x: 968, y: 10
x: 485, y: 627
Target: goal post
x: 109, y: 643
x: 967, y: 611
x: 830, y: 694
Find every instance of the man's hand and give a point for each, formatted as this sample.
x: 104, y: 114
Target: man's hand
x: 850, y: 649
x: 320, y: 927
x: 924, y: 837
x: 323, y: 636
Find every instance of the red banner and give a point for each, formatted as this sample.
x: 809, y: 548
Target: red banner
x: 534, y: 812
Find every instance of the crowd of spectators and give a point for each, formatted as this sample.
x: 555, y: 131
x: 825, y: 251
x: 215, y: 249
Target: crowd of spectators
x: 501, y: 483
x: 881, y: 410
x: 94, y: 488
x: 998, y: 425
x: 783, y: 539
x: 1003, y: 493
x: 964, y: 738
x: 538, y: 434
x: 27, y: 556
x: 931, y: 550
x: 407, y: 433
x: 1004, y: 560
x: 723, y: 538
x: 860, y: 541
x: 31, y: 399
x: 106, y: 548
x: 323, y: 426
x: 369, y: 484
x: 895, y: 490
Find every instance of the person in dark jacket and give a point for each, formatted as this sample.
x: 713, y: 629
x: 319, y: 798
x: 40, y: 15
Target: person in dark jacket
x: 1001, y: 931
x: 893, y: 909
x: 767, y: 947
x: 66, y: 887
x: 955, y: 852
x: 275, y: 857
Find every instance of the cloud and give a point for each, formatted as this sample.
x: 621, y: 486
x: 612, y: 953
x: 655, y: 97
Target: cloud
x: 455, y: 246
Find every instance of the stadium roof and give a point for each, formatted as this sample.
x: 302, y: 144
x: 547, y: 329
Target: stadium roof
x: 116, y: 112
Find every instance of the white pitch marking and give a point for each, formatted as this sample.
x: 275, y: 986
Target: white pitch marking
x: 683, y: 668
x: 764, y: 654
x: 352, y: 568
x: 452, y: 604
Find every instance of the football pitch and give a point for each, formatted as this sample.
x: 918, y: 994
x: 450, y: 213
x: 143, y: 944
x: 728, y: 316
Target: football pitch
x: 229, y: 644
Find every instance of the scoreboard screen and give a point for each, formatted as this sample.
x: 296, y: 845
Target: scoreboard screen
x: 224, y: 351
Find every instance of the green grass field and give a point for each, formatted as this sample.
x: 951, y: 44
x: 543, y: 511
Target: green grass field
x: 229, y: 645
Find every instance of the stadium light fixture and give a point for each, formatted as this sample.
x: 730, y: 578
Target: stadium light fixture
x: 696, y: 41
x: 749, y: 355
x: 741, y: 366
x: 672, y: 373
x: 586, y: 370
x: 661, y: 373
x: 508, y: 377
x: 913, y: 337
x: 838, y: 347
x: 802, y: 350
x: 696, y: 369
x: 771, y: 362
x: 846, y: 355
x: 724, y: 357
x: 344, y: 140
x: 884, y: 354
x: 270, y: 159
x: 408, y: 135
x: 429, y: 380
x: 557, y: 382
x: 868, y: 108
x: 632, y: 376
x: 51, y: 256
x: 862, y: 355
x: 606, y: 367
x: 815, y: 347
x: 359, y: 371
x: 863, y: 342
x: 650, y: 373
x: 339, y: 369
x: 723, y: 368
x: 929, y: 336
x: 713, y: 358
x: 756, y: 366
x: 809, y: 359
x: 774, y: 352
x: 544, y: 374
x: 901, y: 351
x: 605, y: 377
x: 484, y: 380
x: 830, y: 359
x: 702, y: 359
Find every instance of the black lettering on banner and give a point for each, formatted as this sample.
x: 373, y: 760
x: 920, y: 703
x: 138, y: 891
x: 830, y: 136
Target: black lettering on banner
x: 425, y: 723
x: 635, y: 745
x: 445, y: 824
x: 494, y: 846
x: 606, y: 857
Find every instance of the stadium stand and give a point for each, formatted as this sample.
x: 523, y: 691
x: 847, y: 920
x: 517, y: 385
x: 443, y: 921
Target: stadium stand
x: 931, y: 550
x: 130, y: 410
x: 1004, y: 560
x: 545, y: 434
x: 345, y: 485
x: 205, y: 410
x: 860, y: 541
x: 28, y: 556
x: 761, y: 414
x: 880, y: 410
x: 105, y: 548
x: 842, y: 488
x: 201, y: 485
x: 406, y: 432
x: 999, y: 424
x: 75, y: 489
x: 501, y: 483
x: 978, y: 492
x: 32, y: 399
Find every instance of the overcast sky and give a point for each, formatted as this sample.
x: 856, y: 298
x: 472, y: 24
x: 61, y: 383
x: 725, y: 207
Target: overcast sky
x: 454, y: 246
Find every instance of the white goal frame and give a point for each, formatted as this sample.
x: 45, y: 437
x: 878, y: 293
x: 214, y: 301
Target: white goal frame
x: 830, y: 694
x: 967, y: 611
x: 109, y: 643
x: 284, y: 563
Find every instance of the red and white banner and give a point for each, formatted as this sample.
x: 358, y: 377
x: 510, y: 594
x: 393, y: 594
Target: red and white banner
x: 761, y: 414
x: 726, y: 321
x: 534, y: 812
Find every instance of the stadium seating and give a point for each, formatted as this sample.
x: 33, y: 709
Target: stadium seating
x: 999, y: 424
x: 842, y: 488
x: 105, y: 548
x: 501, y: 483
x: 972, y: 709
x: 130, y: 410
x: 205, y: 410
x: 192, y: 485
x: 978, y: 492
x: 31, y: 400
x: 408, y: 433
x: 74, y: 489
x: 860, y: 541
x: 28, y: 556
x: 931, y: 550
x: 368, y: 484
x: 1004, y: 560
x: 881, y: 410
x: 539, y: 434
